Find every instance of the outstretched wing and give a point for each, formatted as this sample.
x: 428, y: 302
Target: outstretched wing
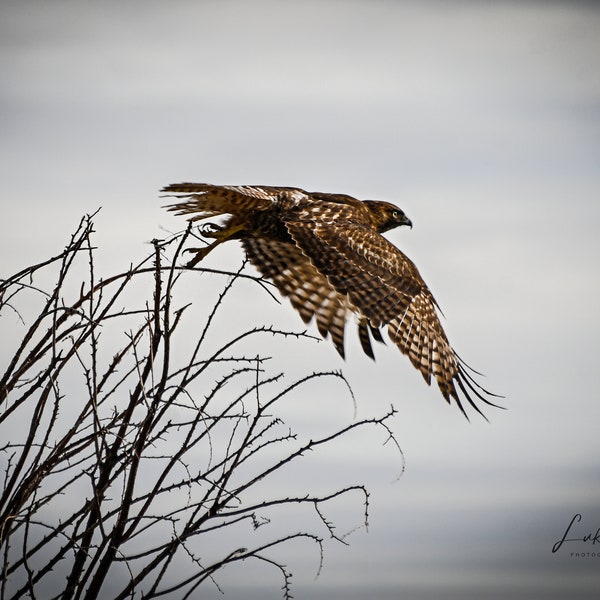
x: 386, y: 289
x: 310, y: 292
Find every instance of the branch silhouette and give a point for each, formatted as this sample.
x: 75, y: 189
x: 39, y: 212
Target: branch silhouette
x: 127, y: 438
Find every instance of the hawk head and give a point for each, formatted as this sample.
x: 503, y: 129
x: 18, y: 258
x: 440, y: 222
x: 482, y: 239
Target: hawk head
x: 387, y: 215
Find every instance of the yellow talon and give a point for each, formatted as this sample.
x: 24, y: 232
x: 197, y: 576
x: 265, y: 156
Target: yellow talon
x: 219, y: 235
x: 200, y: 253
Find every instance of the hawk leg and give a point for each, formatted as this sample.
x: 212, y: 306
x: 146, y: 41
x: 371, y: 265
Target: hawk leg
x: 219, y: 234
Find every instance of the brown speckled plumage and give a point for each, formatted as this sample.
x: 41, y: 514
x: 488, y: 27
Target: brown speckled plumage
x: 325, y: 252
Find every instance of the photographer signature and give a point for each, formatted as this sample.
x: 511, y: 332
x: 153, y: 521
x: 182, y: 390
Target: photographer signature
x: 587, y: 537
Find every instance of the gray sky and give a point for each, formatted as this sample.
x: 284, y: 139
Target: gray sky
x: 480, y: 119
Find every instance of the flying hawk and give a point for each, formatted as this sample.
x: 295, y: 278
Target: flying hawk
x: 325, y: 252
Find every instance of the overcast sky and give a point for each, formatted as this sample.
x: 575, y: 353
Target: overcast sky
x: 481, y: 120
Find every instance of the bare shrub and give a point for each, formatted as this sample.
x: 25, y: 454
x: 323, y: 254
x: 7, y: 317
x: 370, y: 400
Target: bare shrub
x: 125, y: 441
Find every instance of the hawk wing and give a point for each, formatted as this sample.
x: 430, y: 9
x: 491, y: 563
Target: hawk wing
x: 335, y: 264
x: 385, y: 288
x: 309, y: 291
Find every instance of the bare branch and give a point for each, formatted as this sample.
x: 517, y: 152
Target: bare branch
x: 124, y: 452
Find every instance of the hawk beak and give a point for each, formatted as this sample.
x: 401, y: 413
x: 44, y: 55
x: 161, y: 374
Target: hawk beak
x: 406, y: 221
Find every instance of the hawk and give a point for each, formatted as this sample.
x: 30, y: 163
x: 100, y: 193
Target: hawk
x: 326, y: 253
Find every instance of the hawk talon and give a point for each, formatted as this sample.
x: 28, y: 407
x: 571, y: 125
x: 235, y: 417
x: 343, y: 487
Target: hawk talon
x: 195, y: 249
x: 199, y: 253
x: 220, y: 235
x: 210, y: 229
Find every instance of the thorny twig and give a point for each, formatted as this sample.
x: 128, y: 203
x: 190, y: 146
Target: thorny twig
x: 164, y: 442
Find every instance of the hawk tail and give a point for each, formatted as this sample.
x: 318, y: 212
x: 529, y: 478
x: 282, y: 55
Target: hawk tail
x: 203, y: 200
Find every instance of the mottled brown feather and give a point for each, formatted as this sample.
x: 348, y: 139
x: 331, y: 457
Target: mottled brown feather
x: 325, y: 252
x: 308, y: 290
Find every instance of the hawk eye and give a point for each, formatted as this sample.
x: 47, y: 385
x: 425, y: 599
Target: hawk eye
x: 395, y: 214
